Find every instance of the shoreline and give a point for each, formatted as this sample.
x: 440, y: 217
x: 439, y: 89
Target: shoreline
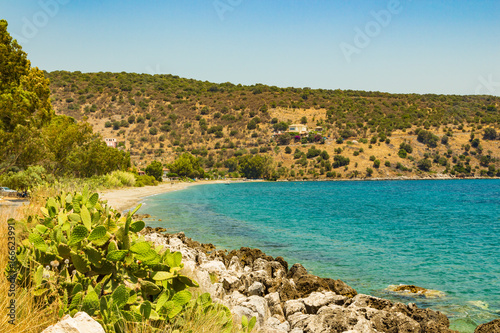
x: 124, y: 199
x: 165, y: 188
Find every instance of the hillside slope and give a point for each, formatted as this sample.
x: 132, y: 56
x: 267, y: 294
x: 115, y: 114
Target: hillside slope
x: 159, y: 117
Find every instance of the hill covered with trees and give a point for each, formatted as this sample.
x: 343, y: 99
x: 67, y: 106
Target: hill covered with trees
x: 351, y: 133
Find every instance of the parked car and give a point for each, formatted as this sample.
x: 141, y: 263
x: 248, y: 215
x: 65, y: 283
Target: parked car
x: 6, y: 190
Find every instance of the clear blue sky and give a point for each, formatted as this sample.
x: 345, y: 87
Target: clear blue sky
x: 420, y: 46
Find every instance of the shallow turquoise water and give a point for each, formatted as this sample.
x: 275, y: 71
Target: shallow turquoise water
x: 441, y: 235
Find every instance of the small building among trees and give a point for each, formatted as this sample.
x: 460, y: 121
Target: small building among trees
x: 298, y: 128
x: 111, y: 142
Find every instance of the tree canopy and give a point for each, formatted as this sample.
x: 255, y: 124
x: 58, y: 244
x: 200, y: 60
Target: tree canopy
x: 155, y: 169
x: 187, y: 165
x: 30, y: 132
x: 24, y: 105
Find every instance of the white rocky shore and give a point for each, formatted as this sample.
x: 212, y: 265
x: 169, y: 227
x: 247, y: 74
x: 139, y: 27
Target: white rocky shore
x: 283, y: 300
x: 291, y: 300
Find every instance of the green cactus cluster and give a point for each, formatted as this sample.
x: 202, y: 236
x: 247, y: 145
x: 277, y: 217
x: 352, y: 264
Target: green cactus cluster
x: 88, y: 257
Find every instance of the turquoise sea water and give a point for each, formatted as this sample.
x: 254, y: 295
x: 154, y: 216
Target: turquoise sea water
x: 442, y: 235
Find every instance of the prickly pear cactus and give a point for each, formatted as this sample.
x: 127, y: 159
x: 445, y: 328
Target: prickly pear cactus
x: 88, y: 257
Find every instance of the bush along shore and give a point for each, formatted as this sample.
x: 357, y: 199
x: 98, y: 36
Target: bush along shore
x: 111, y: 272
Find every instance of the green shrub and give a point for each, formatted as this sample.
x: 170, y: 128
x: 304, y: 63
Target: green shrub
x: 339, y: 161
x: 28, y: 179
x: 427, y: 138
x: 424, y: 164
x: 155, y: 169
x: 313, y: 152
x: 490, y: 134
x: 376, y: 164
x: 145, y: 180
x: 119, y: 179
x: 407, y: 147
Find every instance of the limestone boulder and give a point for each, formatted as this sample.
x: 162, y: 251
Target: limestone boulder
x: 256, y: 289
x: 274, y: 304
x: 80, y: 323
x: 491, y: 327
x: 293, y: 306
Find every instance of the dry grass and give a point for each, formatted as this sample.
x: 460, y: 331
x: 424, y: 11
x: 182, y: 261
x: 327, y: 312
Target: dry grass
x: 31, y: 314
x: 194, y: 320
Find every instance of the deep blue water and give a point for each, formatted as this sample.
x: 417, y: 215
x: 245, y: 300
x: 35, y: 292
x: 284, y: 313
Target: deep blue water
x: 442, y: 235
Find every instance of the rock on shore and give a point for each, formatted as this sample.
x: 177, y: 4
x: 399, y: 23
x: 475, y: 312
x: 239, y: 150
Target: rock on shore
x: 287, y: 299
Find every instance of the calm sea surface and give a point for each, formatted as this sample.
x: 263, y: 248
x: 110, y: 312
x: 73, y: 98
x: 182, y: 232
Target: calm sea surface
x: 442, y: 235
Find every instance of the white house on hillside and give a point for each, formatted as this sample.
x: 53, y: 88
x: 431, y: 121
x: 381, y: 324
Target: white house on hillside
x: 111, y: 142
x: 298, y: 128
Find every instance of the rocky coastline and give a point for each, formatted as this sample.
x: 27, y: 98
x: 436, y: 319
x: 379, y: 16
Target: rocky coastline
x: 289, y: 299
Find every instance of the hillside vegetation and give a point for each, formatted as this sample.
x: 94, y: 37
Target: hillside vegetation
x: 352, y: 133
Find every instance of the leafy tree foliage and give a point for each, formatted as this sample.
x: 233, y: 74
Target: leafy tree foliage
x: 424, y: 164
x: 31, y: 133
x: 313, y: 152
x: 24, y: 105
x: 428, y: 138
x: 187, y: 165
x: 96, y: 158
x: 407, y: 147
x: 27, y: 179
x: 254, y: 167
x: 490, y: 134
x: 155, y: 169
x: 339, y: 161
x: 281, y: 126
x: 475, y: 143
x: 60, y: 138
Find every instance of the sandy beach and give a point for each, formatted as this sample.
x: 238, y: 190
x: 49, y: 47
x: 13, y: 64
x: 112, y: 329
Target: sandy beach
x: 127, y: 198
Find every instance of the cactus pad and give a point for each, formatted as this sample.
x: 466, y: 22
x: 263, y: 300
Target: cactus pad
x: 116, y: 255
x: 74, y: 218
x: 78, y: 234
x: 90, y: 302
x: 80, y: 263
x: 93, y: 255
x: 140, y: 247
x: 86, y: 218
x: 98, y: 233
x: 63, y: 250
x: 160, y: 276
x: 120, y: 296
x: 38, y: 242
x: 149, y: 288
x: 94, y: 198
x: 137, y: 226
